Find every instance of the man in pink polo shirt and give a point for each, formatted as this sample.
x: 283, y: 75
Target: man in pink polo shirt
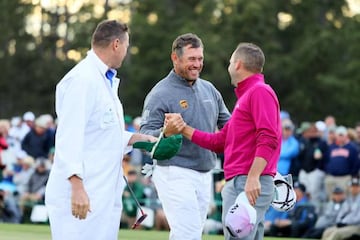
x: 250, y: 140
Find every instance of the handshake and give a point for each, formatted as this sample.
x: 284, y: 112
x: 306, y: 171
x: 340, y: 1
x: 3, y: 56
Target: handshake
x: 169, y: 141
x: 174, y: 124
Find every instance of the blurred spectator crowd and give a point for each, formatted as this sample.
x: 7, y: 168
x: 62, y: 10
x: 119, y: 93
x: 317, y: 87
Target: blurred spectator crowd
x: 323, y: 158
x: 27, y: 146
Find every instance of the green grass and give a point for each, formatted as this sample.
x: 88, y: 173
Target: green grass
x: 42, y: 232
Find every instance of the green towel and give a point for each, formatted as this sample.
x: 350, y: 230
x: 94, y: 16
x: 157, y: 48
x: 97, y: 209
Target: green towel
x: 166, y: 149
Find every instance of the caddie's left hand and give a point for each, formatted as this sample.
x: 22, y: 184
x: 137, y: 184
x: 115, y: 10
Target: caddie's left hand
x: 80, y: 203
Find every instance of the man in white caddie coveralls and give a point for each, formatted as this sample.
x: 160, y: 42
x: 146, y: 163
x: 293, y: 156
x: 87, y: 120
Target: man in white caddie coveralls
x: 83, y: 193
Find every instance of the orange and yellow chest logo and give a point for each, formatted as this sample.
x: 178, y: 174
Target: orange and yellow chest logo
x: 183, y: 104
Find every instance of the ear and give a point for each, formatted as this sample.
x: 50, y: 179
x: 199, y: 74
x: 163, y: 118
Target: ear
x: 238, y: 65
x: 115, y: 44
x: 174, y: 57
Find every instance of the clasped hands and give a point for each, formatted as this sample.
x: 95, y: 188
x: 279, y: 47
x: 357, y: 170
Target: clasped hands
x: 174, y: 124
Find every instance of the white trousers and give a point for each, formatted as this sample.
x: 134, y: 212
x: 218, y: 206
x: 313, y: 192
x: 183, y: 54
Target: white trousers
x: 185, y: 196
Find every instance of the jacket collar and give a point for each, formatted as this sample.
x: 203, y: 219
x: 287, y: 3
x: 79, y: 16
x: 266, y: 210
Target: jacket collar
x: 247, y: 83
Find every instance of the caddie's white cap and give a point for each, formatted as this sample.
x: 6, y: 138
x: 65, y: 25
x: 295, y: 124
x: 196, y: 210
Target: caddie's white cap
x: 241, y: 217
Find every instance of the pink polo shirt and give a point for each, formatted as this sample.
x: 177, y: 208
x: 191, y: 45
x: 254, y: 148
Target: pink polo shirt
x: 254, y: 130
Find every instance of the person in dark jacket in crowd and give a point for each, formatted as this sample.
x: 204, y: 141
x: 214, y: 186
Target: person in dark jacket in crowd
x: 39, y: 140
x: 312, y: 157
x: 343, y: 161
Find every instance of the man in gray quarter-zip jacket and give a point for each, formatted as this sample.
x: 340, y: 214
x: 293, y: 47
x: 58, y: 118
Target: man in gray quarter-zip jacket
x: 184, y: 181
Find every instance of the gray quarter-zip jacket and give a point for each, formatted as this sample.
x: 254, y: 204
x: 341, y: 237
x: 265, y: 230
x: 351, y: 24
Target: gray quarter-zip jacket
x: 200, y: 105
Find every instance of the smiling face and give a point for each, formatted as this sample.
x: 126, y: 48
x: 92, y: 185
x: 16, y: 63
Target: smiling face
x: 190, y: 63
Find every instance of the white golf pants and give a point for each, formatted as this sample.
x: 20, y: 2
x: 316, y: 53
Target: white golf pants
x: 185, y: 196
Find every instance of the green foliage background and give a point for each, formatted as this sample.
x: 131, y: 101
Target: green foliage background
x: 312, y: 61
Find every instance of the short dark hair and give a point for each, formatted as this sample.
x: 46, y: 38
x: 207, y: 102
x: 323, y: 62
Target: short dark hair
x: 108, y: 30
x: 251, y: 55
x: 186, y: 39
